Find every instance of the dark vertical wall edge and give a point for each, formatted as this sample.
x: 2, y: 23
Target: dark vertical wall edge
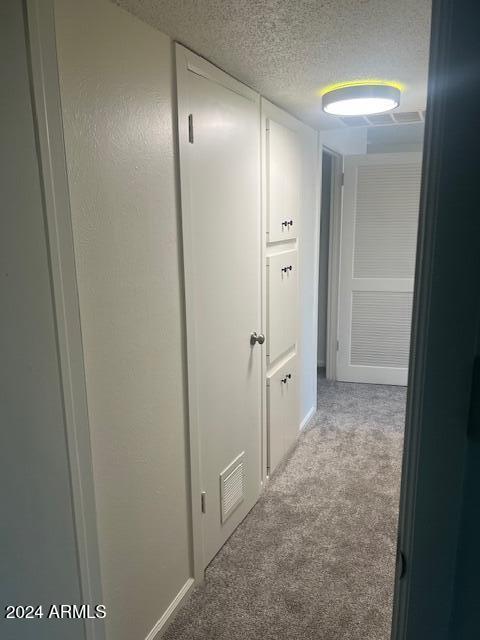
x: 445, y: 320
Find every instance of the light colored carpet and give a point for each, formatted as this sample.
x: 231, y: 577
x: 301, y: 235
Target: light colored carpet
x: 314, y: 559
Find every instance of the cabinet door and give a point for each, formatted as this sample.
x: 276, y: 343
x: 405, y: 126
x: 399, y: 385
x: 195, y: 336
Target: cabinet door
x: 283, y: 182
x: 281, y: 303
x: 282, y: 413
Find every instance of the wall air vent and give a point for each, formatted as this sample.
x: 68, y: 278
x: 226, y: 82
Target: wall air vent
x: 231, y: 487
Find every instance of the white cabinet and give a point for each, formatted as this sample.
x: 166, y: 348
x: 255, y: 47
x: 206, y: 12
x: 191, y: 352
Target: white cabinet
x: 282, y: 411
x: 283, y: 182
x: 283, y: 153
x: 282, y: 297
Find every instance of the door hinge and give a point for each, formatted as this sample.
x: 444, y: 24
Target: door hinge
x: 343, y: 179
x: 338, y: 345
x: 190, y: 128
x: 203, y: 501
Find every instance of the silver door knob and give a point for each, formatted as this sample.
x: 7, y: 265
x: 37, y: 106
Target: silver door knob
x: 256, y: 337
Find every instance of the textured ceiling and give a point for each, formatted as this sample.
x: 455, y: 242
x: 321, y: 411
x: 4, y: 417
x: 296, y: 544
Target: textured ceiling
x: 288, y: 50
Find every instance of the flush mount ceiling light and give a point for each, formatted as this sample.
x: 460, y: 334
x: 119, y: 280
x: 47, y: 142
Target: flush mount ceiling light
x: 361, y: 99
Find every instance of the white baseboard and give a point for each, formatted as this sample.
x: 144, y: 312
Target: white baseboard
x: 307, y: 418
x: 161, y: 625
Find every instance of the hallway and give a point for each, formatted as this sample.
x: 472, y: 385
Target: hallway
x: 314, y: 559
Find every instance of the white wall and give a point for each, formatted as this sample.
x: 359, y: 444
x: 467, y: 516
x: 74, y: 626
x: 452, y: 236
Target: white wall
x: 308, y: 271
x: 116, y: 79
x: 346, y: 141
x: 396, y: 138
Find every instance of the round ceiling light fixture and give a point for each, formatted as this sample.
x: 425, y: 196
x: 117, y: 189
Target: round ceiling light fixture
x: 361, y: 99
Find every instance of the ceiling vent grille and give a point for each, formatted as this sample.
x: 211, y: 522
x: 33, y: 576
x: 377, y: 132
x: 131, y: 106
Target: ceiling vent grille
x: 407, y: 117
x: 384, y: 119
x: 355, y: 121
x: 380, y: 118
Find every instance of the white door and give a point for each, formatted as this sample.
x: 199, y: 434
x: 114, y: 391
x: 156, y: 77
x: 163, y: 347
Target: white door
x: 378, y: 243
x: 220, y: 173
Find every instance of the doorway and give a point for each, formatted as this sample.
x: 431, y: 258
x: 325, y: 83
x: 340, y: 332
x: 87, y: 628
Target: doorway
x: 329, y: 254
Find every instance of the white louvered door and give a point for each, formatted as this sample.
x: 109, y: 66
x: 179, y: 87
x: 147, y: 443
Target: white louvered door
x: 379, y: 234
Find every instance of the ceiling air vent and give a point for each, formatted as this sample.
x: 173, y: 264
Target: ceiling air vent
x: 380, y: 118
x: 384, y: 119
x: 407, y: 117
x: 355, y: 121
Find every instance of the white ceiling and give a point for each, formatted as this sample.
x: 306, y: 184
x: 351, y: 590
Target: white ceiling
x: 288, y: 50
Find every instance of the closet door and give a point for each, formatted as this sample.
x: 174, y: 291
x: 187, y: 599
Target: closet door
x: 282, y: 299
x: 220, y: 173
x: 283, y: 182
x: 378, y: 244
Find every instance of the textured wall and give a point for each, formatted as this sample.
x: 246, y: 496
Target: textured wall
x: 116, y: 78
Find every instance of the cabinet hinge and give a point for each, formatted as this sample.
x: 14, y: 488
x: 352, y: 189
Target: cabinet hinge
x: 203, y: 501
x: 190, y: 128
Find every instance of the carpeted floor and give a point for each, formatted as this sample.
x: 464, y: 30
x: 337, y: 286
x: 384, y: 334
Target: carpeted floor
x: 315, y: 557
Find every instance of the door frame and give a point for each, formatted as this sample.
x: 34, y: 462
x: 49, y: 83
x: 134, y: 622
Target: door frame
x: 187, y: 62
x: 444, y: 338
x: 46, y: 105
x: 334, y: 240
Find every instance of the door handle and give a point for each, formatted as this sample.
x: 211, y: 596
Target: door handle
x: 254, y: 337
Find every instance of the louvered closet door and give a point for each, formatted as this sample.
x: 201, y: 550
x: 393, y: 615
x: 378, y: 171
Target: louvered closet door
x: 378, y: 243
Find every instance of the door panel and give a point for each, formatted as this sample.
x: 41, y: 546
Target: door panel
x: 282, y: 298
x: 221, y: 225
x: 379, y: 234
x: 283, y: 182
x: 282, y: 411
